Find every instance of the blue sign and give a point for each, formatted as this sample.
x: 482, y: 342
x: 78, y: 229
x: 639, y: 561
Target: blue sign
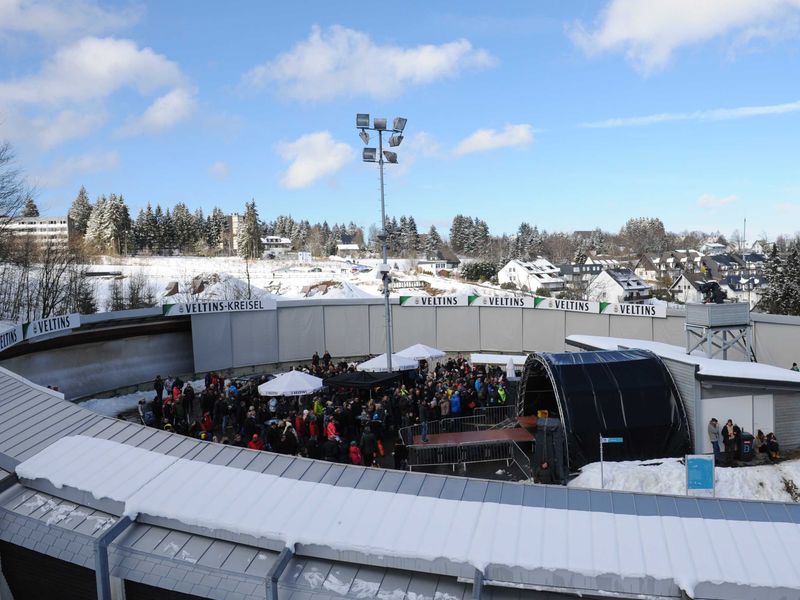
x: 611, y: 440
x: 700, y: 473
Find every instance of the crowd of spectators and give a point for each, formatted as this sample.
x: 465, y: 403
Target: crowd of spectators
x: 337, y: 424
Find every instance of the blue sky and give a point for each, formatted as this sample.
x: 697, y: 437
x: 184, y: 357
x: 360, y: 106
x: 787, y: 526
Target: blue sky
x: 569, y: 115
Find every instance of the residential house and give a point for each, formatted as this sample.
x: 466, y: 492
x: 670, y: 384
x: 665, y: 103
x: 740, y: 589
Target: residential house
x: 654, y: 267
x: 347, y: 250
x: 753, y: 263
x: 686, y: 288
x: 575, y: 273
x: 744, y: 289
x: 713, y: 247
x: 718, y: 266
x: 444, y: 260
x: 275, y: 245
x: 532, y: 275
x: 618, y: 285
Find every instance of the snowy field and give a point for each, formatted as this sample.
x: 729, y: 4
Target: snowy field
x: 668, y: 476
x: 226, y: 278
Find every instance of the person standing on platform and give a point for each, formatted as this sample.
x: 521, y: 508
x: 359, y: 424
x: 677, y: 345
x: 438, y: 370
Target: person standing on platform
x: 714, y: 437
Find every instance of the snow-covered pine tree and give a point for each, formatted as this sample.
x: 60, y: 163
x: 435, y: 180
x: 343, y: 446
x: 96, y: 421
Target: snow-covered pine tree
x: 30, y: 209
x: 99, y: 228
x: 249, y: 240
x: 80, y: 211
x: 432, y: 243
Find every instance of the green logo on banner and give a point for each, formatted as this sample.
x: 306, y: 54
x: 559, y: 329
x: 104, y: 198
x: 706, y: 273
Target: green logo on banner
x: 404, y: 299
x: 25, y: 330
x: 537, y: 300
x: 471, y: 299
x: 604, y: 306
x: 165, y: 308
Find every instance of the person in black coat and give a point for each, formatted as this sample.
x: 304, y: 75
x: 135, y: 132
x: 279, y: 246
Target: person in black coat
x: 731, y: 435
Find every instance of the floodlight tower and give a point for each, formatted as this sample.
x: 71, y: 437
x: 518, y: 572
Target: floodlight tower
x: 382, y: 156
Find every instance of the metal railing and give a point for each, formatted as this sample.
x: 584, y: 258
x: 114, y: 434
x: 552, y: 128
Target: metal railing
x: 454, y: 425
x: 473, y: 452
x: 498, y: 413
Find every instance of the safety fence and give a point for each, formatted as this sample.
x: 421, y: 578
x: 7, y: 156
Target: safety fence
x: 498, y: 414
x: 455, y: 425
x: 507, y: 451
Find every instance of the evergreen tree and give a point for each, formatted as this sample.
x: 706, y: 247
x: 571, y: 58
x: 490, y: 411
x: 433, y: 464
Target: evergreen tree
x: 432, y: 243
x: 116, y: 299
x: 99, y: 228
x: 167, y: 232
x: 216, y: 227
x: 185, y: 230
x: 249, y: 240
x: 459, y: 232
x: 30, y: 209
x: 85, y: 302
x: 80, y: 211
x: 410, y: 236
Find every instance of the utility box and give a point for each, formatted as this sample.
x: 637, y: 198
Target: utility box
x: 735, y: 314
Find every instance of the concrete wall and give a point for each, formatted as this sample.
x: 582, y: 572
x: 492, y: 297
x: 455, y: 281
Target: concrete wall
x: 91, y: 368
x: 351, y: 328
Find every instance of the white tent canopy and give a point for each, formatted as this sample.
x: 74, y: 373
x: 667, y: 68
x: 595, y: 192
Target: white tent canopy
x: 378, y: 364
x: 293, y: 383
x: 421, y: 352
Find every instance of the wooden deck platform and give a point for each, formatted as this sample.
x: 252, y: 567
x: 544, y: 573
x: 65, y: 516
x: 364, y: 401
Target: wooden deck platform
x: 517, y: 434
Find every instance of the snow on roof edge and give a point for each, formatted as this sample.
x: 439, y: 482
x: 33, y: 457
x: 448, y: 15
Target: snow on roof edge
x: 712, y: 367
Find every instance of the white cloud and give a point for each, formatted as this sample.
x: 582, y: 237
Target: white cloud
x: 718, y: 114
x: 219, y: 170
x: 712, y: 201
x: 344, y: 62
x: 649, y: 31
x: 67, y: 125
x: 313, y: 156
x: 59, y: 18
x: 63, y: 170
x: 165, y: 112
x: 490, y: 139
x: 49, y: 129
x: 94, y: 68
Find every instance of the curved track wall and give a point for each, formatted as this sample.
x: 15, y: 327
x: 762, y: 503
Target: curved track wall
x: 114, y: 350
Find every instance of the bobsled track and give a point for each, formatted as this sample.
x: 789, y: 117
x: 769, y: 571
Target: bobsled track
x: 95, y: 507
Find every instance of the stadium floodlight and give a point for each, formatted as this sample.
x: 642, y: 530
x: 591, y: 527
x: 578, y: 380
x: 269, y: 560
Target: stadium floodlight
x: 381, y: 156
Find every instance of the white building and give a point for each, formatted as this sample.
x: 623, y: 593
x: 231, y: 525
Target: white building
x: 618, y: 285
x: 686, y: 288
x: 444, y: 260
x: 531, y: 276
x: 43, y: 230
x: 275, y: 245
x: 347, y: 250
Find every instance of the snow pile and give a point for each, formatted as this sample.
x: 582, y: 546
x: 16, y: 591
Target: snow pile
x: 668, y: 476
x: 117, y: 405
x: 548, y: 543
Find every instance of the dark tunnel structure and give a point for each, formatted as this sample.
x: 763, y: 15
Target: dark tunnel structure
x: 614, y: 393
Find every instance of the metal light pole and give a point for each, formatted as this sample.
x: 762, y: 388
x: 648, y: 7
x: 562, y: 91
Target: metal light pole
x: 369, y: 155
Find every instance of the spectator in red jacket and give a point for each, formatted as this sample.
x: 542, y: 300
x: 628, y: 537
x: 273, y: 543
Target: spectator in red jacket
x: 255, y: 443
x: 355, y: 453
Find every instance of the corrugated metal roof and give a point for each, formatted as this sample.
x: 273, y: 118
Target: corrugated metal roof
x: 45, y: 418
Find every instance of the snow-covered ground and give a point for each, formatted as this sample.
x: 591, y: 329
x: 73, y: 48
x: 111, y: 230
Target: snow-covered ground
x: 668, y: 476
x: 226, y: 277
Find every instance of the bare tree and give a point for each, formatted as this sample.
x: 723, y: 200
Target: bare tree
x: 13, y: 193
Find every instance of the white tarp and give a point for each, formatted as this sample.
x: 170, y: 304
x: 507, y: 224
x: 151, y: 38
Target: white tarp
x: 378, y: 364
x: 580, y: 543
x: 421, y: 352
x: 478, y: 358
x: 293, y: 383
